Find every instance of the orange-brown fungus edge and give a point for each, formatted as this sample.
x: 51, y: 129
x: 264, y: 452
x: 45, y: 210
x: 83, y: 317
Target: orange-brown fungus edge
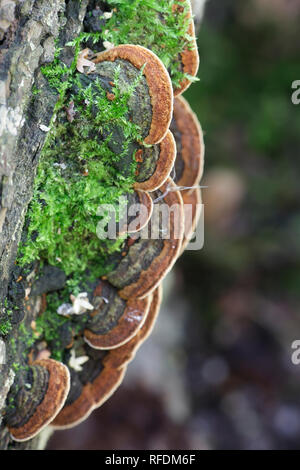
x: 158, y: 80
x: 53, y: 401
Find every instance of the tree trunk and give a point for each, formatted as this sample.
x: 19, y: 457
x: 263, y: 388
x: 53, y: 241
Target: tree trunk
x: 28, y: 31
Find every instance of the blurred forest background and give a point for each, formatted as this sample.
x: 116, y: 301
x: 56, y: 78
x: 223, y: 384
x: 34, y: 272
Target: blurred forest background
x: 217, y: 371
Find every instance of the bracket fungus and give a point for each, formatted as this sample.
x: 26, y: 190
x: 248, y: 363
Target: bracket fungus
x: 158, y: 83
x: 117, y: 132
x: 189, y: 58
x: 114, y: 320
x: 152, y: 255
x: 37, y: 398
x: 90, y: 388
x: 124, y: 354
x: 103, y: 374
x: 155, y: 164
x: 190, y: 145
x: 139, y: 211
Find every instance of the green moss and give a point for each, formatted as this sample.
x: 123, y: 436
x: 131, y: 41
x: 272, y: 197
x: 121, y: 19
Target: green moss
x: 155, y: 24
x: 26, y: 337
x: 56, y: 329
x: 5, y: 323
x: 77, y: 173
x: 5, y: 328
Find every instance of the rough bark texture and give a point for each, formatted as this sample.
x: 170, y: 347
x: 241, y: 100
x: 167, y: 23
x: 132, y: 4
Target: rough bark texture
x: 28, y: 30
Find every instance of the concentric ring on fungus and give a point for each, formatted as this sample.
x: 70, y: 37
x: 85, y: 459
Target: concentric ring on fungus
x: 188, y: 135
x: 114, y: 363
x: 93, y: 395
x: 114, y: 320
x: 142, y: 205
x: 150, y: 257
x: 158, y: 81
x: 190, y: 56
x: 55, y: 379
x: 166, y: 150
x: 123, y: 355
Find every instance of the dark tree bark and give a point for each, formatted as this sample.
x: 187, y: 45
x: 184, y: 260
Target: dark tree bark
x: 28, y: 31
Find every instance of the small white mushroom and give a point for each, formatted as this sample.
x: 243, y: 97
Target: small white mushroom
x: 81, y: 303
x: 76, y: 362
x: 65, y: 309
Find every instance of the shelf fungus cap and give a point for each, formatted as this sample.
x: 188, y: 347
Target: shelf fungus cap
x: 115, y: 321
x: 98, y: 388
x: 152, y: 254
x: 190, y: 145
x: 155, y: 164
x: 189, y: 57
x: 121, y: 356
x: 158, y: 81
x: 110, y: 375
x: 52, y: 380
x: 137, y: 214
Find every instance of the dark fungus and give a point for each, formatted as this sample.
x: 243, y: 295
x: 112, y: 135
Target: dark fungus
x: 189, y: 57
x: 40, y: 398
x: 158, y: 82
x: 190, y: 145
x: 114, y: 320
x: 110, y: 367
x: 151, y: 255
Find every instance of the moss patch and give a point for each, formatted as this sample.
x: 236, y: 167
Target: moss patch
x: 78, y: 173
x: 158, y: 25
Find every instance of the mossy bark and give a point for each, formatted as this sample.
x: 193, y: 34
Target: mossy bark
x: 28, y: 31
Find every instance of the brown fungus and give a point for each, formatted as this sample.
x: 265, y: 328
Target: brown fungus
x: 152, y: 254
x: 138, y: 213
x: 90, y: 388
x: 104, y: 373
x: 124, y: 354
x: 37, y: 398
x: 192, y: 207
x: 158, y: 82
x: 114, y: 320
x: 189, y: 58
x: 155, y: 164
x: 190, y: 145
